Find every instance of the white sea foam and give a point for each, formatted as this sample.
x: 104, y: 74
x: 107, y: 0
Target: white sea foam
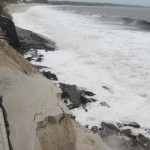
x: 91, y: 55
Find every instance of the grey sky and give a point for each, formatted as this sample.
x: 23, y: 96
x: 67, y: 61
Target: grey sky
x: 132, y: 2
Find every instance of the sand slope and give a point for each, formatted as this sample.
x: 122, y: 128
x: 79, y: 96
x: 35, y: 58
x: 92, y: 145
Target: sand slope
x: 12, y: 59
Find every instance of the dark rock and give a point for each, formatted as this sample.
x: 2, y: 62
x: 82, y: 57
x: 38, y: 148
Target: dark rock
x: 75, y: 96
x: 95, y: 129
x: 146, y: 129
x: 73, y: 117
x: 116, y: 142
x: 65, y: 95
x: 40, y: 67
x: 65, y: 101
x: 88, y: 93
x: 126, y: 132
x: 72, y: 106
x: 29, y: 58
x: 120, y: 143
x: 30, y: 40
x: 50, y: 75
x: 144, y: 141
x: 87, y: 126
x: 39, y: 59
x: 85, y: 99
x: 131, y: 124
x: 105, y: 87
x: 71, y: 91
x: 119, y: 125
x: 136, y: 146
x: 41, y: 55
x: 104, y: 104
x: 93, y: 100
x: 103, y: 133
x: 134, y: 137
x: 84, y: 107
x: 9, y: 28
x: 110, y: 128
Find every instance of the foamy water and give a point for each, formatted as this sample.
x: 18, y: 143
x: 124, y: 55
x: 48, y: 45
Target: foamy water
x: 93, y: 54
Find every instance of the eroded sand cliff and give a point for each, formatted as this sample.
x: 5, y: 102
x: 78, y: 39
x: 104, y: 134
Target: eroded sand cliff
x: 38, y: 118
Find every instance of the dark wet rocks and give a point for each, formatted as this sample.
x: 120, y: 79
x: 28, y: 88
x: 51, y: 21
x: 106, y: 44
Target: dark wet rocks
x: 95, y: 129
x: 39, y: 59
x: 110, y: 128
x: 131, y: 124
x: 119, y: 125
x: 119, y: 137
x: 106, y: 129
x: 104, y: 104
x: 121, y: 143
x: 75, y: 96
x: 126, y: 132
x: 87, y: 126
x: 34, y: 55
x: 29, y: 58
x: 50, y: 76
x: 85, y: 100
x: 103, y: 133
x: 144, y: 141
x: 30, y: 40
x: 72, y: 106
x: 73, y: 117
x: 40, y: 67
x: 107, y: 88
x: 71, y: 92
x: 88, y: 93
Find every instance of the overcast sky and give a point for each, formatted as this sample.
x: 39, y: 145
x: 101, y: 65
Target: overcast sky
x: 132, y: 2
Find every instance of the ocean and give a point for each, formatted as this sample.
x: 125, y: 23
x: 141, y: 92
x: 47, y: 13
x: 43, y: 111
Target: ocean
x: 97, y: 47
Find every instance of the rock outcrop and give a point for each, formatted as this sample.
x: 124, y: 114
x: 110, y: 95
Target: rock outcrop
x: 30, y: 40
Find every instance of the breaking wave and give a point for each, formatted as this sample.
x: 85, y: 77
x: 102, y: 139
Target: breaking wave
x: 144, y: 24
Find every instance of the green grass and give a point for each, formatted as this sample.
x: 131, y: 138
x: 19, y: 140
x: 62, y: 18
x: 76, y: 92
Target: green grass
x: 4, y: 12
x: 2, y: 4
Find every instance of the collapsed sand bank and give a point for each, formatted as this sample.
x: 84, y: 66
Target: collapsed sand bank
x: 12, y: 59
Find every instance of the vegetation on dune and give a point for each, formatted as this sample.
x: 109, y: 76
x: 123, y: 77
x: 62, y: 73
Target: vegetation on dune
x: 6, y: 14
x: 10, y: 1
x: 3, y: 11
x: 3, y: 4
x: 40, y: 1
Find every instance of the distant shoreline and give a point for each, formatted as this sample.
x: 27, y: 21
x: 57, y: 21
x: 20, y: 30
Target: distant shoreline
x: 91, y: 4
